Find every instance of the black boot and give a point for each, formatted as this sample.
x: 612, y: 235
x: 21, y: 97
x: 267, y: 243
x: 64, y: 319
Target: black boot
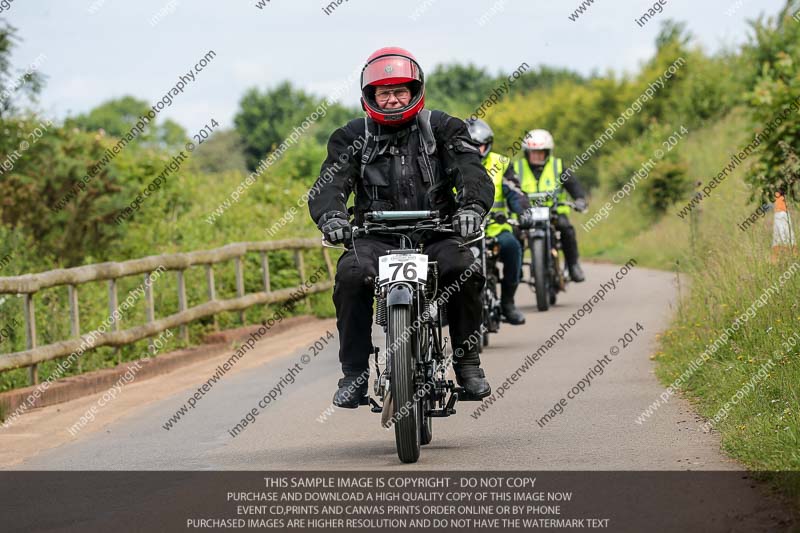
x: 569, y: 243
x: 507, y: 307
x: 576, y: 272
x: 353, y: 389
x: 473, y: 380
x: 470, y: 376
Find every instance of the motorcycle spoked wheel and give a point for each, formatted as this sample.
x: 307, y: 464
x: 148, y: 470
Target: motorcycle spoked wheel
x: 425, y: 422
x: 540, y: 275
x: 407, y: 431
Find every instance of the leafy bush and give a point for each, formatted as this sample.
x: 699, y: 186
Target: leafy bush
x: 776, y: 100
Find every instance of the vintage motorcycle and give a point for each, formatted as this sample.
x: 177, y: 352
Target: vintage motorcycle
x: 412, y: 386
x: 487, y: 252
x: 547, y: 274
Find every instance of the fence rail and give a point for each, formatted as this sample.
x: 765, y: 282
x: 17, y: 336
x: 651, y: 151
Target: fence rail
x: 28, y: 285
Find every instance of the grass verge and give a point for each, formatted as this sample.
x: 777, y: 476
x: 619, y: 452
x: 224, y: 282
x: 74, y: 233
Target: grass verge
x: 748, y: 387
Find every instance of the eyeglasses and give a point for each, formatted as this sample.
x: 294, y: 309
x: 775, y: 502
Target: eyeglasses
x: 400, y: 94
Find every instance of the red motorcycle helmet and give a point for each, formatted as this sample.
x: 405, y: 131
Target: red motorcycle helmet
x: 392, y: 66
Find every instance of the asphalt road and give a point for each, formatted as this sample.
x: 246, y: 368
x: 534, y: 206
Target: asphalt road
x: 596, y: 431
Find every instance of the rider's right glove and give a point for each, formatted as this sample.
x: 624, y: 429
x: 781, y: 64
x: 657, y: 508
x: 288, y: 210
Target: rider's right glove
x: 581, y: 205
x: 526, y: 220
x: 335, y: 227
x: 467, y: 221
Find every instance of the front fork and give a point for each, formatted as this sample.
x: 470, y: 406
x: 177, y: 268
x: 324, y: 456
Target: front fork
x: 429, y: 347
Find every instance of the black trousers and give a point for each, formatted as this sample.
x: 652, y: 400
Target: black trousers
x: 568, y: 239
x: 353, y: 295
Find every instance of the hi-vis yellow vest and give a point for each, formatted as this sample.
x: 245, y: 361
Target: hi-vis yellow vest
x: 496, y: 165
x: 549, y: 181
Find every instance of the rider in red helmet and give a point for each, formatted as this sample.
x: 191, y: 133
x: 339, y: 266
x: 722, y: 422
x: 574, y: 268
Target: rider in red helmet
x: 392, y: 70
x: 401, y: 156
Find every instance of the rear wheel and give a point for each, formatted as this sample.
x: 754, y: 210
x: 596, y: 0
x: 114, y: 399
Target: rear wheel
x: 540, y: 274
x: 486, y: 318
x: 493, y: 306
x: 557, y: 280
x: 407, y: 416
x: 425, y: 425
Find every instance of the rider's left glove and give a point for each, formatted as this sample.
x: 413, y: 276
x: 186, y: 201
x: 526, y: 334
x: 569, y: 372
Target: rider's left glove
x: 467, y: 221
x: 581, y: 205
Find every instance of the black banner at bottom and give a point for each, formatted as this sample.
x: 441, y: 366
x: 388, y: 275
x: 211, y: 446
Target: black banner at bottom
x: 389, y: 501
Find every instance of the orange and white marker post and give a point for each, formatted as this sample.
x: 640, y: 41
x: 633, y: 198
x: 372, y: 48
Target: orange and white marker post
x: 782, y: 232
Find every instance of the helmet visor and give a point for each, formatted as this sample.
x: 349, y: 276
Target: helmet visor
x: 390, y: 70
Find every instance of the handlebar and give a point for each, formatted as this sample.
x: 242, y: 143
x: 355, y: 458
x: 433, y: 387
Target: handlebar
x: 540, y: 197
x: 375, y: 222
x: 381, y: 222
x: 437, y: 226
x: 400, y: 215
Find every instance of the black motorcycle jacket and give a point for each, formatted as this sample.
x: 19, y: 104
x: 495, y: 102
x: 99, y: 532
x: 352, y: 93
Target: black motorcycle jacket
x: 414, y: 166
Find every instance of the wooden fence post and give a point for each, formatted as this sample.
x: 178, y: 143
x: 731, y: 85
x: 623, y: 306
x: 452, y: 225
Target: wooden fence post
x: 149, y: 308
x: 75, y: 319
x: 328, y: 264
x: 182, y: 303
x: 30, y: 335
x: 240, y: 284
x: 301, y: 268
x: 112, y: 308
x: 265, y: 270
x: 212, y: 290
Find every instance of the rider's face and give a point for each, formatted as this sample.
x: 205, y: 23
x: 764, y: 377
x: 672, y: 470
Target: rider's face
x: 483, y: 148
x: 537, y: 157
x: 392, y: 96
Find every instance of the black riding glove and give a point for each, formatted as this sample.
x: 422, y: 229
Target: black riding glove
x: 526, y: 220
x: 467, y: 221
x: 335, y: 227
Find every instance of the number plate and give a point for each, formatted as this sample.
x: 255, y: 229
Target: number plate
x: 541, y: 213
x: 402, y: 267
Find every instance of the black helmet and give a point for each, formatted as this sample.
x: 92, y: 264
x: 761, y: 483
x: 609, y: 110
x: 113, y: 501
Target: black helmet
x: 481, y: 133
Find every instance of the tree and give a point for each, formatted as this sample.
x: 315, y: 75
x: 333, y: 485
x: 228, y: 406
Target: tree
x: 266, y: 119
x: 171, y: 134
x: 457, y: 88
x: 544, y: 77
x: 14, y: 84
x: 775, y: 101
x: 32, y: 193
x: 117, y: 116
x: 220, y: 153
x: 673, y: 33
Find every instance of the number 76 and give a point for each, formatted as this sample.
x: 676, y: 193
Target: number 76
x: 409, y: 270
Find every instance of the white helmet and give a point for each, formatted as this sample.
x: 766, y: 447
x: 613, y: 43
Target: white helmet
x: 538, y: 140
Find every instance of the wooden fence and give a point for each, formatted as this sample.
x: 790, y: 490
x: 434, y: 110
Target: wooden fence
x: 29, y: 284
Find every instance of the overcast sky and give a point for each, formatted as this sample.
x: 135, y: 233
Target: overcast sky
x: 114, y: 51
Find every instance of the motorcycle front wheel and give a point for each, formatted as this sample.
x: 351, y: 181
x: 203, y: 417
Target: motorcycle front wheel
x: 407, y: 416
x: 540, y: 274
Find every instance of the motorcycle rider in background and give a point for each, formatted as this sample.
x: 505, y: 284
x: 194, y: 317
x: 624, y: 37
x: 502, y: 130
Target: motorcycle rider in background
x: 540, y: 171
x: 508, y: 196
x: 401, y: 157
